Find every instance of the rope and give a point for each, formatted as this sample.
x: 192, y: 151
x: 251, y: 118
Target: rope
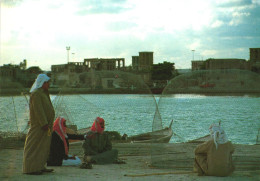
x: 27, y: 101
x: 15, y: 114
x: 163, y: 173
x: 25, y: 97
x: 90, y: 103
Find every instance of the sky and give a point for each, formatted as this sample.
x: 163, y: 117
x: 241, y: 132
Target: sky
x: 40, y: 30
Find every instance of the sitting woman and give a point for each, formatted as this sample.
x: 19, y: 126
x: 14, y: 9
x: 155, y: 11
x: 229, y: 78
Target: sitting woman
x: 98, y: 147
x: 214, y: 157
x: 60, y: 145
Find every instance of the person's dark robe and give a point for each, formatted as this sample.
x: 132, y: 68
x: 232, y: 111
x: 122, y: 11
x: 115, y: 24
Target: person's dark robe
x: 57, y: 149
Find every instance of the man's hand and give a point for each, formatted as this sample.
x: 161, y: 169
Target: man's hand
x: 72, y: 157
x: 45, y: 127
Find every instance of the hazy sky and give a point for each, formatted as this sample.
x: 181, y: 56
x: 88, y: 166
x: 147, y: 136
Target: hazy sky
x: 40, y: 30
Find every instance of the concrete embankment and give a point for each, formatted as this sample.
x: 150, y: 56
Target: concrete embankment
x: 177, y: 164
x: 206, y: 91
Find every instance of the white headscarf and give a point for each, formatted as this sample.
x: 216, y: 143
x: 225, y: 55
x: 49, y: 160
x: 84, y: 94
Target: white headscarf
x: 218, y: 134
x: 41, y: 78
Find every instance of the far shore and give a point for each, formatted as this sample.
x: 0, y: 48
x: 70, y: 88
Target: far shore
x: 207, y: 91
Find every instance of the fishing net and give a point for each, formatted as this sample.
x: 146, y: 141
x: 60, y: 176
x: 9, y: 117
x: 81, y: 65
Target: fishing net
x: 122, y: 98
x: 198, y: 99
x: 193, y: 101
x: 14, y: 112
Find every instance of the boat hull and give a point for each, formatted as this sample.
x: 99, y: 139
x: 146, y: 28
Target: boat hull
x: 159, y: 136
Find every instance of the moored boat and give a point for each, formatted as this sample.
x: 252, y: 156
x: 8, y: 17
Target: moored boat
x: 159, y: 136
x: 258, y: 137
x: 201, y: 139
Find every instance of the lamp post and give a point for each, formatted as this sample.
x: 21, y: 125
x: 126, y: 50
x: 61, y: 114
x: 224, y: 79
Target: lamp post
x: 68, y: 51
x: 193, y: 54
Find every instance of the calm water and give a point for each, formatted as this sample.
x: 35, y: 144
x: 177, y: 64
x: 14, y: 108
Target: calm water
x: 134, y: 114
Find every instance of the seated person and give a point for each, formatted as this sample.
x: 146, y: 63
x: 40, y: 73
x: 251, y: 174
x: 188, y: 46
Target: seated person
x: 214, y: 157
x: 59, y: 148
x: 98, y: 147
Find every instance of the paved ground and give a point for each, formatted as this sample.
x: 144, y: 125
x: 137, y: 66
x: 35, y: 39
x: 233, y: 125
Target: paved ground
x: 137, y: 168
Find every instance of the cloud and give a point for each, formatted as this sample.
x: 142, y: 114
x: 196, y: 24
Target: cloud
x: 121, y: 25
x: 236, y: 21
x: 209, y: 53
x: 242, y: 24
x: 217, y: 23
x: 234, y: 3
x: 235, y: 12
x: 102, y: 7
x: 122, y: 28
x: 55, y: 4
x: 11, y: 3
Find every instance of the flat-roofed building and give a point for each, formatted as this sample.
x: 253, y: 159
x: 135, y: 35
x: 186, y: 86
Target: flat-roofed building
x: 197, y: 65
x: 212, y: 64
x: 105, y: 63
x: 71, y: 67
x: 135, y: 62
x: 145, y: 60
x: 254, y: 54
x: 254, y: 59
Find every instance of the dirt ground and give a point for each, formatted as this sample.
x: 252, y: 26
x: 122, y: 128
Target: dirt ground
x: 137, y: 167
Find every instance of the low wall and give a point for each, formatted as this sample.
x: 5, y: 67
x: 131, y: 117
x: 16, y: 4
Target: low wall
x: 13, y: 92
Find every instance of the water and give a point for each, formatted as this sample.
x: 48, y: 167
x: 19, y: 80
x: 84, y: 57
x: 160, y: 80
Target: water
x: 134, y: 114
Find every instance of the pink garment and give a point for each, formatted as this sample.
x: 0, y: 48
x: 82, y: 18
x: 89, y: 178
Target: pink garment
x: 60, y: 129
x: 96, y: 125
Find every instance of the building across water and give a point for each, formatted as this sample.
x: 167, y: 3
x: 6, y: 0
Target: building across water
x: 253, y: 64
x: 70, y: 72
x: 80, y: 74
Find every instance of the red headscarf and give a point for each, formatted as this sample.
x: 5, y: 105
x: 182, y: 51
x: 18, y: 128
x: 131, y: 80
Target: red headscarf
x: 60, y: 129
x: 96, y: 125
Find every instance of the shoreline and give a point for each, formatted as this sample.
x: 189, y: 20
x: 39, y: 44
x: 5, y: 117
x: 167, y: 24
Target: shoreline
x: 72, y: 91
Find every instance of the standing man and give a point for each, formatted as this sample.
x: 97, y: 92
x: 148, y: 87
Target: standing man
x: 38, y: 139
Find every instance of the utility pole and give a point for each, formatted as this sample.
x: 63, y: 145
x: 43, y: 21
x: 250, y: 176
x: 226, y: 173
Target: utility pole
x: 193, y: 54
x: 68, y: 51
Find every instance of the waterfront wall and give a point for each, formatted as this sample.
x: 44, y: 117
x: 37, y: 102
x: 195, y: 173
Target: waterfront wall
x: 13, y: 92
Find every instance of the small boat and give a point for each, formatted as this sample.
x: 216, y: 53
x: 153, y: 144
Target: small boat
x: 208, y: 137
x: 201, y: 139
x: 159, y: 136
x: 207, y: 85
x: 258, y: 137
x: 157, y: 90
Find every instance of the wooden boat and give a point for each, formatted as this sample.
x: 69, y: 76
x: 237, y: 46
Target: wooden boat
x: 201, y: 139
x: 208, y: 137
x: 159, y: 136
x: 258, y: 137
x: 207, y: 85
